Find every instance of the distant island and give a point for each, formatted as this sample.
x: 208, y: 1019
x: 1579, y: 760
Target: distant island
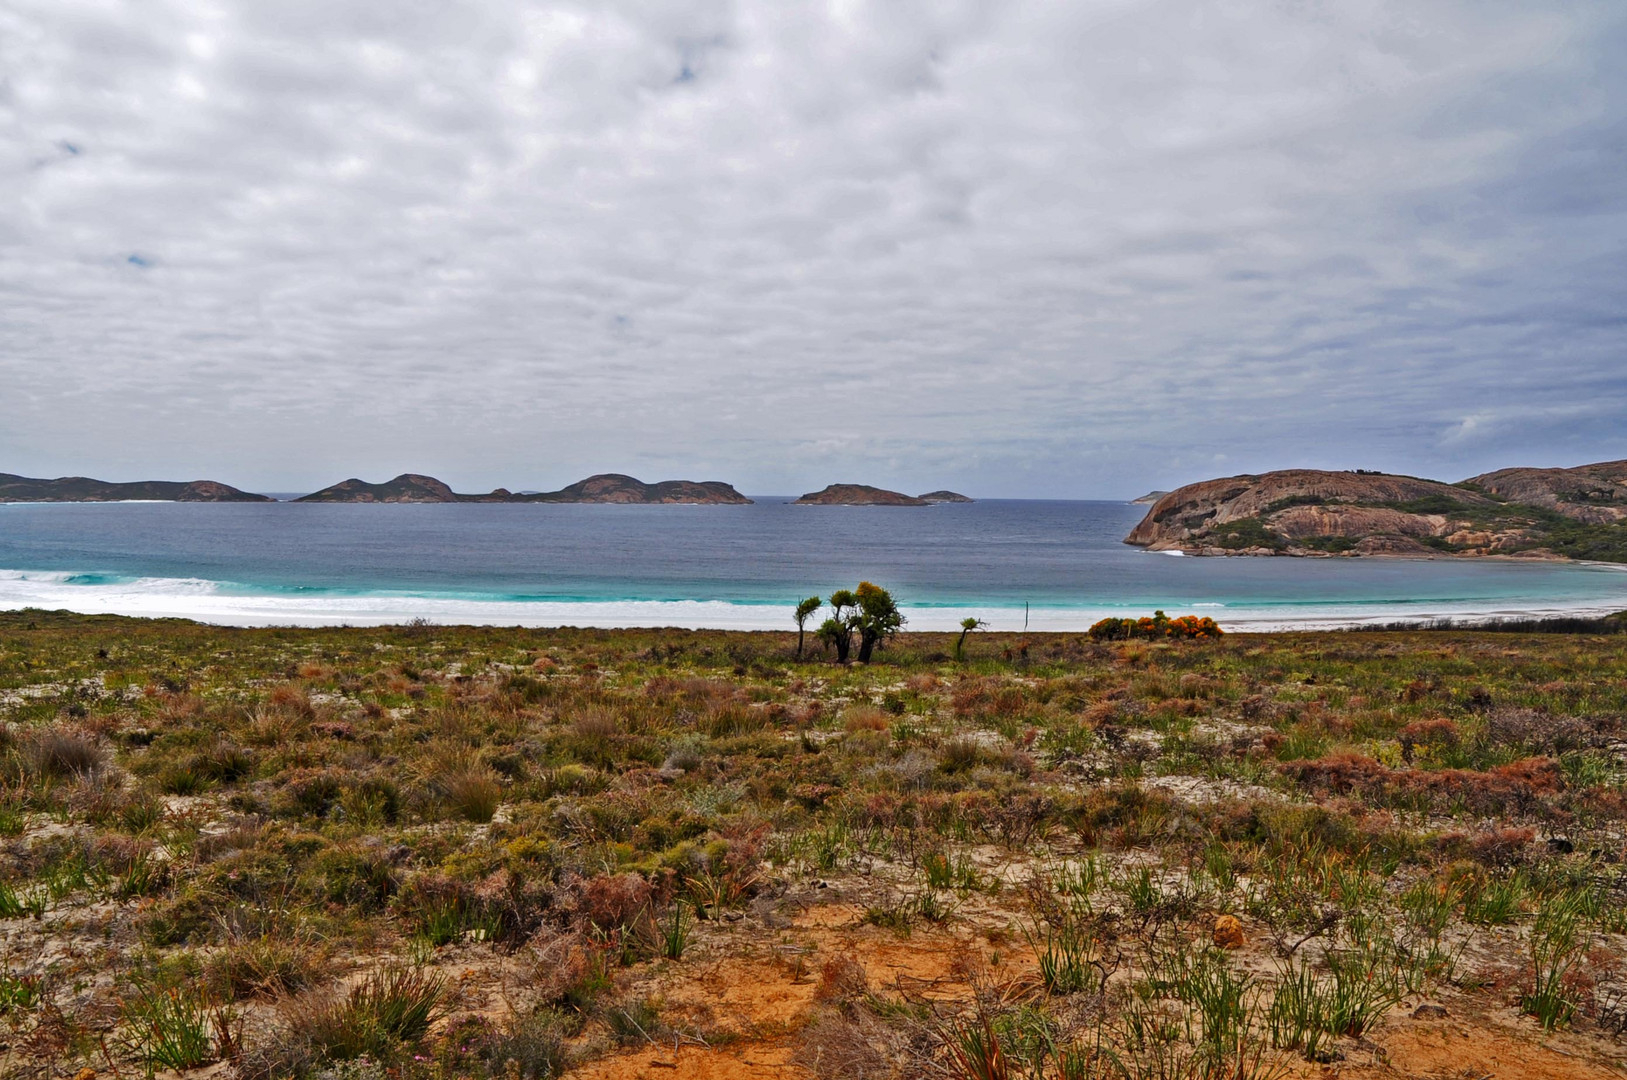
x: 1573, y: 513
x: 602, y: 488
x: 865, y: 495
x: 84, y: 489
x: 1148, y: 498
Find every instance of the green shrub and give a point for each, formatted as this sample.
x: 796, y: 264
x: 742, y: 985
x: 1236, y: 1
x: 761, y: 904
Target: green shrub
x: 175, y: 1028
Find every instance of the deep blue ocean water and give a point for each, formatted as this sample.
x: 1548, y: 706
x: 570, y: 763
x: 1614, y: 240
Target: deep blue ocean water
x: 726, y: 566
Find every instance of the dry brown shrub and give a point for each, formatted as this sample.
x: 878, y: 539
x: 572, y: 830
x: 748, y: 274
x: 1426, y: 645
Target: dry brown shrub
x: 924, y: 683
x: 1416, y: 690
x: 612, y: 901
x: 842, y: 979
x: 274, y: 727
x: 1344, y: 771
x: 65, y: 753
x: 725, y: 719
x: 1011, y: 701
x: 596, y: 723
x: 1499, y: 846
x: 1517, y: 787
x: 1538, y: 732
x: 865, y: 718
x: 475, y: 792
x: 244, y: 835
x: 117, y: 854
x: 182, y: 706
x: 263, y: 967
x: 1195, y: 686
x: 99, y: 796
x: 854, y: 1044
x: 971, y: 695
x: 292, y: 698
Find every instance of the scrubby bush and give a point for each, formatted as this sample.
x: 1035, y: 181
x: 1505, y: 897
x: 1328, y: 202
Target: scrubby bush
x: 1157, y: 627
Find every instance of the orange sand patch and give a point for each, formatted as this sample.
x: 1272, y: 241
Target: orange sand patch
x: 1445, y: 1052
x: 746, y: 994
x: 771, y: 989
x: 831, y: 917
x: 695, y: 1063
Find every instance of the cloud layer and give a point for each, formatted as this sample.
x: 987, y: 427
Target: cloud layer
x: 1032, y: 249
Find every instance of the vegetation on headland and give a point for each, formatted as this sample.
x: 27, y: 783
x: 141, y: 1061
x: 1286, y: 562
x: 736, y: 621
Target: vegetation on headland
x: 486, y: 852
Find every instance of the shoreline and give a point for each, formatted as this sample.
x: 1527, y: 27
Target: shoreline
x: 267, y: 612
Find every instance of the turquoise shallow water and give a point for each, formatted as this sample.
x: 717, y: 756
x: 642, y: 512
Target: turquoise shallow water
x: 1059, y: 564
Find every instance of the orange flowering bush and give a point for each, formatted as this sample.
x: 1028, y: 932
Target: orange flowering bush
x: 1159, y: 625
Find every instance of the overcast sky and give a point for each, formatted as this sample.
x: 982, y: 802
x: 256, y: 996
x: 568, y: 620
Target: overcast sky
x: 1030, y: 249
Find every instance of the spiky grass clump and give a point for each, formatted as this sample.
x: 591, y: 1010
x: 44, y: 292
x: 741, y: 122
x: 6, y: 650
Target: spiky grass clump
x: 387, y: 1008
x: 474, y: 792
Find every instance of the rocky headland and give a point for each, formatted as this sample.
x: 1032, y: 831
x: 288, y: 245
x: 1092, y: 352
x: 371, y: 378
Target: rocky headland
x: 602, y: 488
x: 1529, y: 513
x: 84, y: 489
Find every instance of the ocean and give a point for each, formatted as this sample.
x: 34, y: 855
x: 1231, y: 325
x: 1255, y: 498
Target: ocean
x: 1015, y: 563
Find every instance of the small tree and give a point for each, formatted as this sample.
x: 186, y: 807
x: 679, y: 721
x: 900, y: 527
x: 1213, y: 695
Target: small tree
x: 966, y: 627
x: 838, y: 629
x: 876, y: 618
x: 805, y: 609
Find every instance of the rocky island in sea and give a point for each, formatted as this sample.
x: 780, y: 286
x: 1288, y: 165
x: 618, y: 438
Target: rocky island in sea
x: 865, y: 495
x: 84, y: 489
x: 601, y: 488
x: 1578, y: 513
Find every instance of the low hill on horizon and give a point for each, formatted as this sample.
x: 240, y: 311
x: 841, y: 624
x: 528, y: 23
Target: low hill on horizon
x: 620, y: 488
x: 1576, y: 513
x: 600, y: 488
x: 858, y: 495
x: 15, y: 488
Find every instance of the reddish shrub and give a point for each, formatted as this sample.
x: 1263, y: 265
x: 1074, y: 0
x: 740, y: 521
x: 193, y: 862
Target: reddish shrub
x: 970, y: 696
x: 611, y: 901
x: 293, y: 698
x: 1345, y: 772
x: 842, y: 979
x: 1500, y: 846
x: 1517, y: 787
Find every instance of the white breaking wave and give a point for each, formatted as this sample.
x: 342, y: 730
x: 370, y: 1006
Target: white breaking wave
x: 228, y: 605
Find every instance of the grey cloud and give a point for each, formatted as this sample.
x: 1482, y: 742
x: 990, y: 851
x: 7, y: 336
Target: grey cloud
x: 1019, y: 248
